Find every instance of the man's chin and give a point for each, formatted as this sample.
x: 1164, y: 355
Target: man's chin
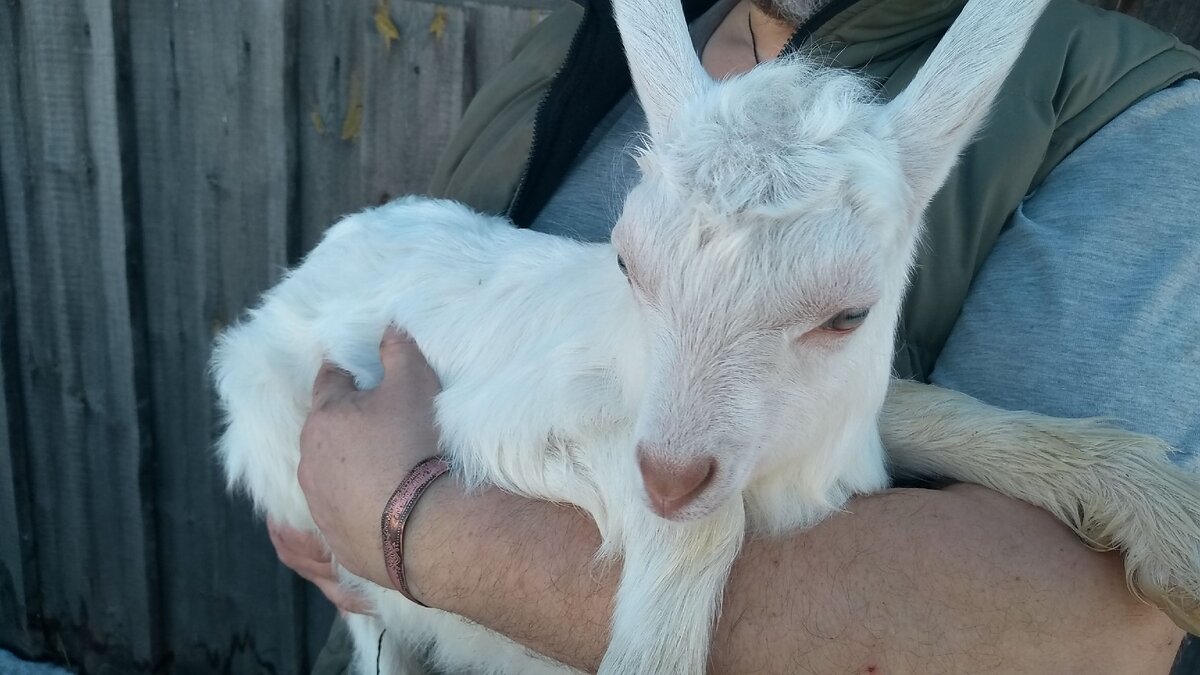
x: 793, y: 12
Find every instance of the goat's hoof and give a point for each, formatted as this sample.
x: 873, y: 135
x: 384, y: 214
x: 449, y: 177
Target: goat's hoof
x: 1180, y: 607
x: 1172, y: 584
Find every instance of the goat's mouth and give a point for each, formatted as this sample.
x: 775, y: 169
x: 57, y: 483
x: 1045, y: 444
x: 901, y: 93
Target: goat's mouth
x: 698, y: 509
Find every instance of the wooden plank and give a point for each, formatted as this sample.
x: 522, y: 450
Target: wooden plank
x: 65, y: 227
x: 334, y: 34
x: 215, y: 124
x: 538, y: 5
x: 376, y: 110
x: 496, y: 28
x: 15, y: 537
x: 373, y: 115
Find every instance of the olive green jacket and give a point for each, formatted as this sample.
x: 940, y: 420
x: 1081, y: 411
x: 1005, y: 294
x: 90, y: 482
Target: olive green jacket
x: 1083, y: 66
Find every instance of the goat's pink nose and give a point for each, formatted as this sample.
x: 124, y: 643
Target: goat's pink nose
x: 672, y: 485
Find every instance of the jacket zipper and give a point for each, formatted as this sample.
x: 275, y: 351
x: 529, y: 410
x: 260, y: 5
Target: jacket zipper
x: 572, y: 54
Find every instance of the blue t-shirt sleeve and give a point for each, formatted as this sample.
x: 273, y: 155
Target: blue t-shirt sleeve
x: 1089, y: 305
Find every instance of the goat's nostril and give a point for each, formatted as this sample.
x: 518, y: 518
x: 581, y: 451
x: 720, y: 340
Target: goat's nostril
x: 672, y: 485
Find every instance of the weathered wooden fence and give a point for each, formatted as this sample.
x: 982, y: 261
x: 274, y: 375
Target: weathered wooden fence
x: 160, y: 163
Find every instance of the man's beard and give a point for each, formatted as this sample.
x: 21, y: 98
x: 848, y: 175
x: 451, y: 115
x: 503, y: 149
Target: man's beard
x: 794, y: 12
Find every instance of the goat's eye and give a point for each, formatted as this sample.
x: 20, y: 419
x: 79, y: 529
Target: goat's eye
x: 621, y: 266
x: 846, y: 320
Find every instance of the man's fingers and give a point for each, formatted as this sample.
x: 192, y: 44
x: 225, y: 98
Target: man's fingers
x: 402, y: 359
x: 395, y: 348
x: 312, y: 570
x: 331, y: 383
x: 305, y: 555
x: 302, y: 553
x: 345, y: 600
x: 309, y: 546
x: 297, y: 543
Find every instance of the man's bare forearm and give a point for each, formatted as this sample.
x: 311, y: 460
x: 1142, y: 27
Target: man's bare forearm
x: 906, y: 581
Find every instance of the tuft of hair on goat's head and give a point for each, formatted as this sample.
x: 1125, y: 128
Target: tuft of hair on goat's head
x: 769, y: 243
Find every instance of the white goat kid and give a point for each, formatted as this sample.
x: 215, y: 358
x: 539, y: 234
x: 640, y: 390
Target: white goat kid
x: 735, y: 380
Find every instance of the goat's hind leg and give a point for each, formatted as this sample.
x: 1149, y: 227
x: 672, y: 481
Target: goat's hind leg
x: 673, y: 579
x: 378, y: 651
x: 1115, y: 489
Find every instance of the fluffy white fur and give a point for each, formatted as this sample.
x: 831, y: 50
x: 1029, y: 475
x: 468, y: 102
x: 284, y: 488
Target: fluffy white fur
x: 769, y: 204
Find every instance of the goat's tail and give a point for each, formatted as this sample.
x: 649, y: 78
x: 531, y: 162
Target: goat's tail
x: 1115, y: 489
x: 263, y: 374
x: 333, y: 306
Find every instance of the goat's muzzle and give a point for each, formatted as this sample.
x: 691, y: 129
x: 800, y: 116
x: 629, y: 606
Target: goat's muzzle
x: 673, y: 484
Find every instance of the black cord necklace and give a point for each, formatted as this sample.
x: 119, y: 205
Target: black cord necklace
x: 753, y: 40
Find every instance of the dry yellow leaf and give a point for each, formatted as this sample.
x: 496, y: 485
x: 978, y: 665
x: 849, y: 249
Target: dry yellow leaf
x: 317, y: 122
x: 438, y: 25
x: 352, y: 125
x: 384, y: 24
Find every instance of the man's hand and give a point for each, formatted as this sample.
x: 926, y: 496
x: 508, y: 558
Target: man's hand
x: 305, y: 555
x: 357, y: 446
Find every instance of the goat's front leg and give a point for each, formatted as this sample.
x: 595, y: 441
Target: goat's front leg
x: 1115, y: 489
x: 670, y: 595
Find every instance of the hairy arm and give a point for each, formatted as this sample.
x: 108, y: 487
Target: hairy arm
x: 961, y: 580
x: 957, y: 580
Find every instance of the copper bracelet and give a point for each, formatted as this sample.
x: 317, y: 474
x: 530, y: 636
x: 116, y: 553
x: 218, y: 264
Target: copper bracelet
x: 396, y: 514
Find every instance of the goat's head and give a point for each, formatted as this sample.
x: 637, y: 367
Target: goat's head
x: 770, y: 241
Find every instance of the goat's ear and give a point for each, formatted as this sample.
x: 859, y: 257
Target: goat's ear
x: 935, y: 118
x: 666, y: 71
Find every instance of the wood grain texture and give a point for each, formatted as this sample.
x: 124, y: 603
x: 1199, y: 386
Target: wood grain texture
x: 378, y: 107
x: 215, y: 125
x: 65, y: 229
x: 16, y: 550
x: 14, y: 500
x: 494, y: 31
x: 13, y: 607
